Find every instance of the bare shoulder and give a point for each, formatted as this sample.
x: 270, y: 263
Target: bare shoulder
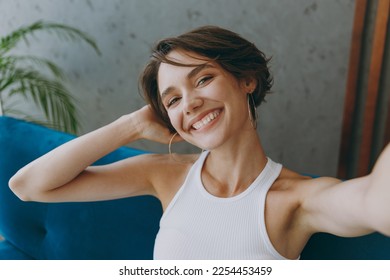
x: 292, y: 181
x: 283, y: 209
x: 165, y: 168
x: 285, y: 191
x: 290, y: 191
x: 167, y: 173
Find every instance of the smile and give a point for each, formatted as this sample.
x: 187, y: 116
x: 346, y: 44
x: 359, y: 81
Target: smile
x: 207, y: 119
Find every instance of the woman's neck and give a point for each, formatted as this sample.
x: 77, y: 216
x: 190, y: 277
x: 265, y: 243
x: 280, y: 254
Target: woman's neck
x: 229, y: 170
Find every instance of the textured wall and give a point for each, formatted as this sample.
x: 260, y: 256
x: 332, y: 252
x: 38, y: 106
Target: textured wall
x: 308, y: 40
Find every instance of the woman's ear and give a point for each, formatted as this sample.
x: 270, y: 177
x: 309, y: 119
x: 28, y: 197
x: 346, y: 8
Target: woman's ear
x: 248, y: 85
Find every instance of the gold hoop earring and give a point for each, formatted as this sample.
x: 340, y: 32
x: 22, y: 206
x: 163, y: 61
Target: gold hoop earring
x: 170, y: 144
x: 252, y: 115
x: 170, y: 150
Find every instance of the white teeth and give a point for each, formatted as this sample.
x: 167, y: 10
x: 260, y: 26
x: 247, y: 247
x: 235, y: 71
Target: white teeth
x: 205, y: 120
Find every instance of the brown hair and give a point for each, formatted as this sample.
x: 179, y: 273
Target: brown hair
x: 233, y: 53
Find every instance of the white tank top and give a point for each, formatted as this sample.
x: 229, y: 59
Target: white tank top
x: 198, y: 225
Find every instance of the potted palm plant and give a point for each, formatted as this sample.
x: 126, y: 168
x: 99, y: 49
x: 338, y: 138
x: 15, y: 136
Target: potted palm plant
x: 38, y: 79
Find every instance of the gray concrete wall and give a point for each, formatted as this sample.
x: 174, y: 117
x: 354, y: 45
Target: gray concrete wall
x: 308, y: 40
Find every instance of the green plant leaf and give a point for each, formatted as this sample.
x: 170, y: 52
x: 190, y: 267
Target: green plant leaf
x: 51, y: 96
x: 21, y: 75
x: 63, y: 31
x: 31, y: 61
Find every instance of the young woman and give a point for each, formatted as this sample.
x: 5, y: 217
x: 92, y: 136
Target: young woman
x: 229, y: 202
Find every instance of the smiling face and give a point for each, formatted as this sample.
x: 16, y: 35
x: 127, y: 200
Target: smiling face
x: 232, y: 53
x: 206, y: 104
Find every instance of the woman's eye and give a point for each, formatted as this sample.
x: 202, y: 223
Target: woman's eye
x: 172, y: 101
x: 203, y: 80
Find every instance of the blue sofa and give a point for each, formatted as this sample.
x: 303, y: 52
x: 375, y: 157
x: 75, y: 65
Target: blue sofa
x: 118, y: 229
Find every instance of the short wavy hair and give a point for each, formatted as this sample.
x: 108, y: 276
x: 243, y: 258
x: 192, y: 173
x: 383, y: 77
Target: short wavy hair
x: 233, y: 53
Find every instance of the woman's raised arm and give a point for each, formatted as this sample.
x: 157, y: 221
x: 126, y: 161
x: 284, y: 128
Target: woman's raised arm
x: 66, y: 174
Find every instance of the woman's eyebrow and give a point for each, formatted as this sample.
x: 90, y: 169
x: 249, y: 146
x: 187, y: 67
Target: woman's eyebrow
x: 166, y: 92
x: 198, y: 69
x: 190, y: 75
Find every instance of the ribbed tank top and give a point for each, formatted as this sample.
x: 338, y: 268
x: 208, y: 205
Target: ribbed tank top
x: 198, y: 225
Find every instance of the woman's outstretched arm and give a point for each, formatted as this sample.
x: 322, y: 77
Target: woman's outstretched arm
x: 378, y: 194
x: 350, y: 208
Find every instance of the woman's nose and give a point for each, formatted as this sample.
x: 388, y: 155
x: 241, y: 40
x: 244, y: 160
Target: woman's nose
x: 191, y: 104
